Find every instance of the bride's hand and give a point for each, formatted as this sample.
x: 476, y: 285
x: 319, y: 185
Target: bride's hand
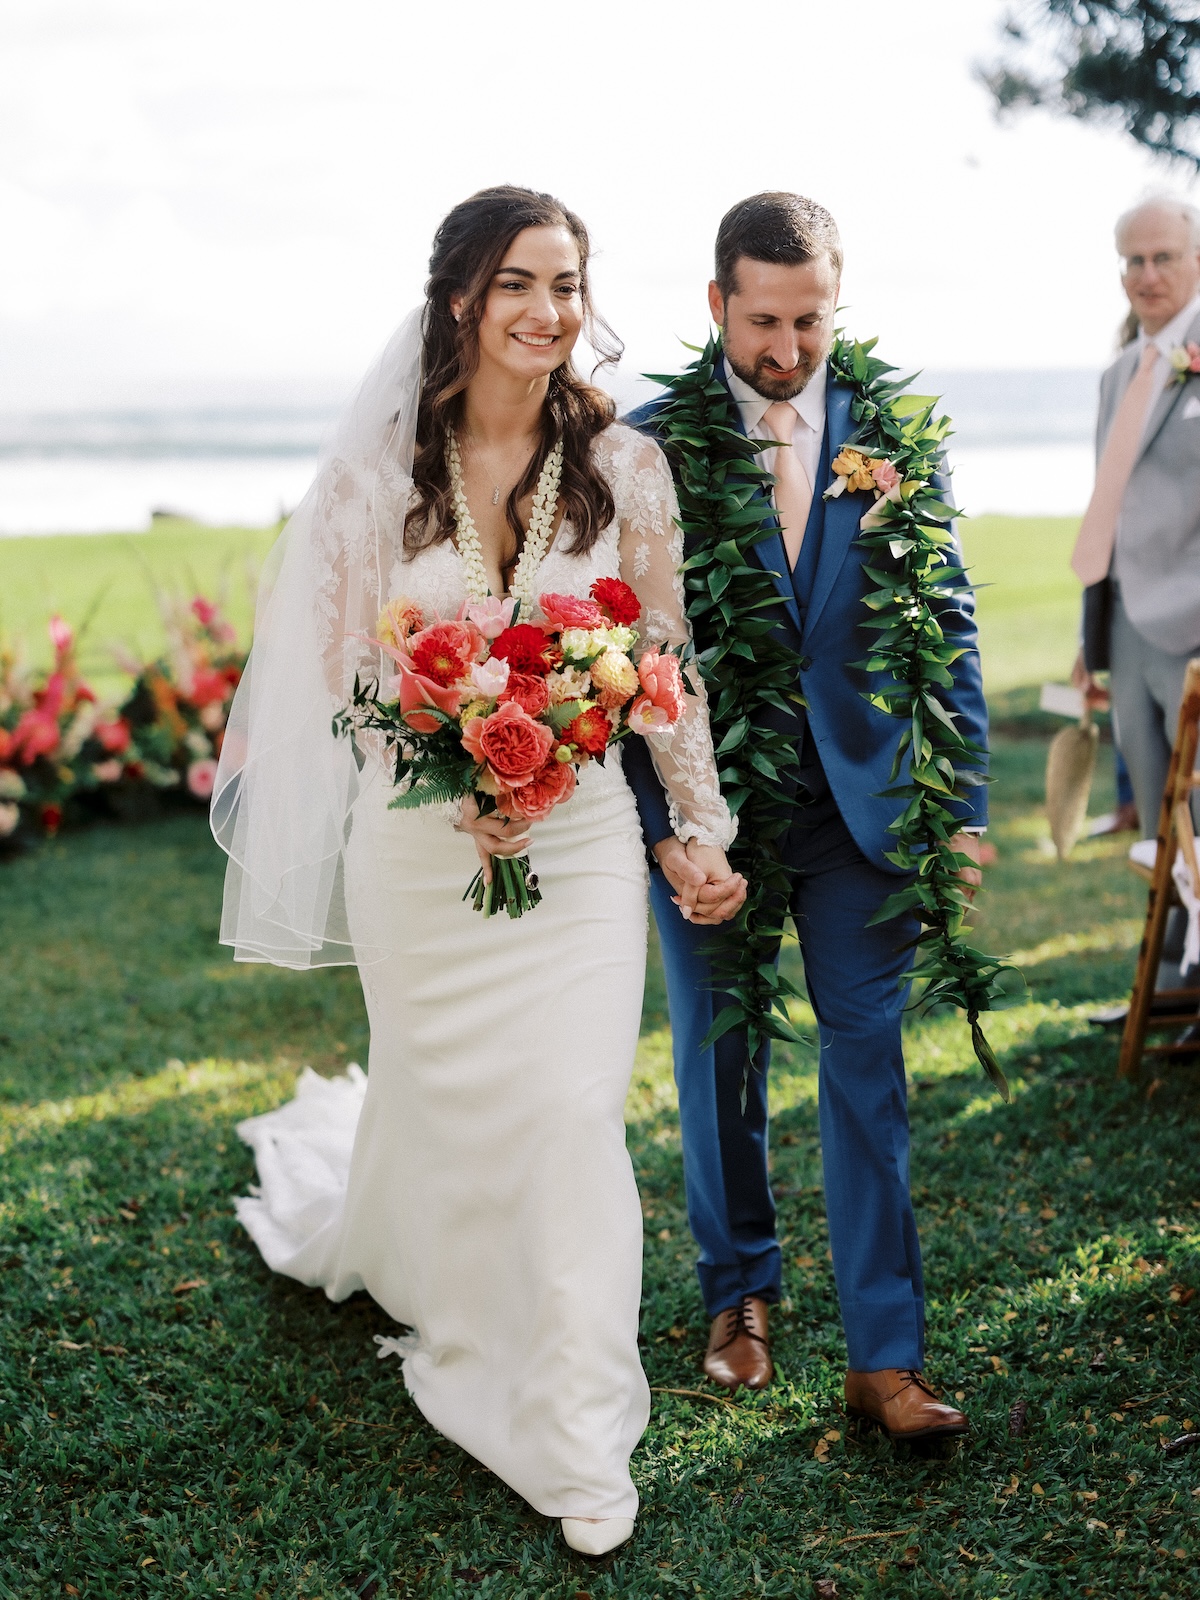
x: 494, y: 835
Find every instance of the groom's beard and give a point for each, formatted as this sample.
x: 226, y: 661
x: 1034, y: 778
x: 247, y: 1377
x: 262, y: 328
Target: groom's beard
x: 764, y: 377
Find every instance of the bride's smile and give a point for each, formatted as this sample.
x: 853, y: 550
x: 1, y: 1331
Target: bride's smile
x: 533, y: 311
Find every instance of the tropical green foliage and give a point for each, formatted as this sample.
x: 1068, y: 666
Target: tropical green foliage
x: 751, y: 676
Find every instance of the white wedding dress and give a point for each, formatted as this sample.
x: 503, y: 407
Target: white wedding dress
x: 476, y: 1181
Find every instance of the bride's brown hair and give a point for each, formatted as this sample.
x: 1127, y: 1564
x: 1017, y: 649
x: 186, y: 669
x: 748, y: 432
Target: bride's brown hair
x: 468, y: 250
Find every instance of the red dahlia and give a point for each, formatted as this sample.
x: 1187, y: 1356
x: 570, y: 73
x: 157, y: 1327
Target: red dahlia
x: 618, y: 599
x: 527, y: 649
x: 442, y: 653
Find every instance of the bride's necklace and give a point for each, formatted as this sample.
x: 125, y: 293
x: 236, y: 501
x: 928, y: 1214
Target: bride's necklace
x: 537, y: 540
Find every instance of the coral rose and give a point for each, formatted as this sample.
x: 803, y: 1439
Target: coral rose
x: 527, y: 691
x: 527, y: 649
x: 569, y: 611
x: 614, y: 678
x: 662, y: 680
x: 512, y: 743
x: 590, y: 731
x: 618, y: 600
x: 886, y: 477
x: 549, y: 786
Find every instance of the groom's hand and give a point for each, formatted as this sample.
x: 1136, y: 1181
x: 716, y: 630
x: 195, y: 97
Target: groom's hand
x: 967, y: 844
x: 706, y: 891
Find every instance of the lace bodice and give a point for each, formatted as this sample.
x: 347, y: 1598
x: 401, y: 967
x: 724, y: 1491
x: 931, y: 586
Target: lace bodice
x: 643, y: 546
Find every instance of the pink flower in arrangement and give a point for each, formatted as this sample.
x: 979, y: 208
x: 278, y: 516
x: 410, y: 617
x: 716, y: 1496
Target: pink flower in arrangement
x: 201, y: 777
x: 490, y: 616
x: 113, y: 736
x: 511, y: 742
x: 549, y: 786
x: 661, y: 678
x: 36, y: 734
x: 886, y: 477
x: 1193, y: 351
x: 490, y: 677
x: 209, y: 617
x: 414, y: 690
x: 646, y: 717
x: 61, y: 636
x: 108, y: 771
x: 568, y: 611
x: 208, y: 687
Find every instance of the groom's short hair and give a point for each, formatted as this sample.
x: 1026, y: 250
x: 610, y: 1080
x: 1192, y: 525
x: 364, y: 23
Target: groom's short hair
x: 786, y: 228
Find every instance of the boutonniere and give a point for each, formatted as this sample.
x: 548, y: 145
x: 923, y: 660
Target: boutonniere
x: 855, y: 469
x: 1185, y: 361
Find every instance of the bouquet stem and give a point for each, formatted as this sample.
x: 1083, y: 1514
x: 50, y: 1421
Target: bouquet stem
x: 514, y: 888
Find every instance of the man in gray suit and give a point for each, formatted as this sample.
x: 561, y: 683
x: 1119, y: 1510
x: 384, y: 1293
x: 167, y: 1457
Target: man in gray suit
x: 1138, y: 551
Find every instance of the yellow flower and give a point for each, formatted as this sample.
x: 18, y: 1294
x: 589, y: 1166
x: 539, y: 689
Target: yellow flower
x: 474, y: 708
x: 614, y: 677
x: 856, y: 468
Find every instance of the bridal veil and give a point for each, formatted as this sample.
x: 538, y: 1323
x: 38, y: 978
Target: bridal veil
x: 286, y: 785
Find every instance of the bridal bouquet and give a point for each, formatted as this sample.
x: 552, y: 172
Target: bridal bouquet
x: 506, y: 712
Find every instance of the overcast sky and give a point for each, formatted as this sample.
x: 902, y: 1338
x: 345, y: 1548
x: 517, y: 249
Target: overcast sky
x: 212, y: 198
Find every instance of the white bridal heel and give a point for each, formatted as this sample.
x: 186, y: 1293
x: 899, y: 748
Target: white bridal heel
x: 596, y: 1538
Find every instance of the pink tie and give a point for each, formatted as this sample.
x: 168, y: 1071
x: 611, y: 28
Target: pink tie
x: 1092, y: 555
x: 793, y: 492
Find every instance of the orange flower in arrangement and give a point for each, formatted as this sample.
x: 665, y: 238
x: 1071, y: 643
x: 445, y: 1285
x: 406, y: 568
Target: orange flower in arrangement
x: 589, y: 732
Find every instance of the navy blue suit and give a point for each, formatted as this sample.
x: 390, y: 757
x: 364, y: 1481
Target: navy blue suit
x: 835, y: 848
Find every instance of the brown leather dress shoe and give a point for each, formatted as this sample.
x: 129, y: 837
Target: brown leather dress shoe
x: 738, y: 1347
x: 902, y: 1403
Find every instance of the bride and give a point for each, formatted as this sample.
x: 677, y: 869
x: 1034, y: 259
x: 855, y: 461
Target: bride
x: 476, y: 1181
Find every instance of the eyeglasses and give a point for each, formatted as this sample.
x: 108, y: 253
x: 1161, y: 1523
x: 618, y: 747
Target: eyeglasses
x: 1162, y: 261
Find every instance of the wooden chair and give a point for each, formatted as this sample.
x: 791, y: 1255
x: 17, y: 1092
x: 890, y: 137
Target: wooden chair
x: 1175, y: 833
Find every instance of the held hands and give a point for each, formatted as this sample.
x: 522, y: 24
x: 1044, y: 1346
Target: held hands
x: 707, y: 892
x: 494, y: 835
x: 967, y: 844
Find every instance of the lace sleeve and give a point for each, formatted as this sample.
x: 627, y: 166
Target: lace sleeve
x: 651, y: 554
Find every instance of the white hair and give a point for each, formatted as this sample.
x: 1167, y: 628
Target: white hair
x: 1171, y: 203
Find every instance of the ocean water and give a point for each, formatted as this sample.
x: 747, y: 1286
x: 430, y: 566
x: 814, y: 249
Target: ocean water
x: 1021, y: 445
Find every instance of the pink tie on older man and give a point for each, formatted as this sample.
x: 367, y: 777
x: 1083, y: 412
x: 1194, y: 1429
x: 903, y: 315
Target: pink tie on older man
x: 793, y: 491
x: 1092, y: 555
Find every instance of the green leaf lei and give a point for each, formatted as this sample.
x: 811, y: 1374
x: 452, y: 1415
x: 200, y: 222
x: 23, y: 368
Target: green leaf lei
x: 733, y: 605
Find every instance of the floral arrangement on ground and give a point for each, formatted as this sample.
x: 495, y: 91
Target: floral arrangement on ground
x: 65, y: 756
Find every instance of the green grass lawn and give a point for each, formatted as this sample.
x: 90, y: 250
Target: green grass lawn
x: 178, y: 1421
x: 1028, y: 599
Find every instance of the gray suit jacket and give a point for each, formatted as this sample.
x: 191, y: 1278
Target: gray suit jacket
x: 1157, y: 558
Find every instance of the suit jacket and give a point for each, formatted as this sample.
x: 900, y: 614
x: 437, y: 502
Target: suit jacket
x: 856, y: 742
x: 1157, y: 557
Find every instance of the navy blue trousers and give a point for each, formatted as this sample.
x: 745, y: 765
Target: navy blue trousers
x: 853, y: 973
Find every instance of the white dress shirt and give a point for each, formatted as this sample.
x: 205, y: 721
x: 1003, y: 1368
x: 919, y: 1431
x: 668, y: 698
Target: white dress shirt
x: 809, y: 429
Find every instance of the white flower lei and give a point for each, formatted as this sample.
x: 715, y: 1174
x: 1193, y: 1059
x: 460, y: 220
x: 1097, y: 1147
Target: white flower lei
x: 537, y: 540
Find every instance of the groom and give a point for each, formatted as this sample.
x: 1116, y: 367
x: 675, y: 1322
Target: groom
x: 778, y: 269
